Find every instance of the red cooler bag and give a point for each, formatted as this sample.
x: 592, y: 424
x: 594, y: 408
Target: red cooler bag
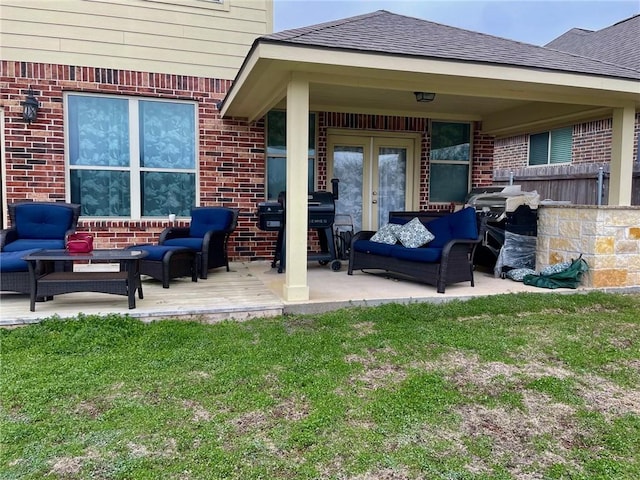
x: 80, y: 243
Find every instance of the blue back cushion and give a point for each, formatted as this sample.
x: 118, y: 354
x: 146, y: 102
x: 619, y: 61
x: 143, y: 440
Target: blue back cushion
x: 440, y: 228
x: 399, y: 220
x: 42, y: 221
x: 205, y: 219
x: 460, y: 224
x: 464, y: 224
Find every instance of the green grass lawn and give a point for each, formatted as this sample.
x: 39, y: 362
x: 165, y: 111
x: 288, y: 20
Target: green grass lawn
x: 525, y: 386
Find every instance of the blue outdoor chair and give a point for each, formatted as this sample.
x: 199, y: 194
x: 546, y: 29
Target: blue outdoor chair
x: 208, y: 235
x: 39, y: 225
x: 34, y: 226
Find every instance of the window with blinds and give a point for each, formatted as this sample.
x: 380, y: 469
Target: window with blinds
x: 551, y: 147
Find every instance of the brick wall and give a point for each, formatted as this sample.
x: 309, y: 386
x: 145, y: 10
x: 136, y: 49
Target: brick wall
x: 483, y: 147
x: 231, y: 151
x: 591, y: 144
x: 511, y: 152
x: 231, y: 159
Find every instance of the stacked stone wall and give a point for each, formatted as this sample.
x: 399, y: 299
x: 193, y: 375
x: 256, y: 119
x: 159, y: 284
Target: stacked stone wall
x: 608, y: 237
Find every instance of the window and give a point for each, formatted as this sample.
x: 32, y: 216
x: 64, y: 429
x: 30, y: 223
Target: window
x: 131, y: 157
x: 551, y: 147
x: 450, y: 161
x: 277, y: 153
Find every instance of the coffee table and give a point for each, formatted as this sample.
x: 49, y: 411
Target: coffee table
x: 125, y: 282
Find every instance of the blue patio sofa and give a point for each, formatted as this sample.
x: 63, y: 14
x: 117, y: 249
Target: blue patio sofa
x: 447, y: 259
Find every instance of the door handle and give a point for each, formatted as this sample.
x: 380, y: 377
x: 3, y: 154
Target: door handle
x: 374, y: 201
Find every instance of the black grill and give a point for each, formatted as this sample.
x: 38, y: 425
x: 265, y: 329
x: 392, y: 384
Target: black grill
x: 321, y: 216
x: 270, y: 216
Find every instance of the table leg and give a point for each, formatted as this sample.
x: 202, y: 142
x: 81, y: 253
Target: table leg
x: 133, y: 282
x: 33, y: 285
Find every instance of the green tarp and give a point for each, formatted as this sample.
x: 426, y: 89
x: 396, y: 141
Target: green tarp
x: 569, y: 278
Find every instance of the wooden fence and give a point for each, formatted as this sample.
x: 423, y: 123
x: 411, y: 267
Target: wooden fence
x: 575, y: 183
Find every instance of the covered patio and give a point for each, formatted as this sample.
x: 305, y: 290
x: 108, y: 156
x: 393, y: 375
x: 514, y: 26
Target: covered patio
x: 250, y: 290
x: 376, y: 63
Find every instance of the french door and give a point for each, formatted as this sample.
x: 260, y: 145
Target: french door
x: 377, y: 174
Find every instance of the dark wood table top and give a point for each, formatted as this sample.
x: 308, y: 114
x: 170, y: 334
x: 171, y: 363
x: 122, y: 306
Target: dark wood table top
x: 114, y: 255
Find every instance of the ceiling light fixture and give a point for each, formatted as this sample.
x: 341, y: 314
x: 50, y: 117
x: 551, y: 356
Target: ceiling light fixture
x: 424, y: 97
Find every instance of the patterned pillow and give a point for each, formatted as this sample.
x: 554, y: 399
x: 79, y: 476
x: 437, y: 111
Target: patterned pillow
x: 555, y: 268
x: 518, y: 274
x: 386, y: 234
x: 414, y: 234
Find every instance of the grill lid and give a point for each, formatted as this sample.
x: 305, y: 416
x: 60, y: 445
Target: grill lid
x: 498, y: 198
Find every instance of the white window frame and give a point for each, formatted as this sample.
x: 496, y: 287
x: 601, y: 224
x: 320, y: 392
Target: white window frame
x: 134, y: 167
x: 549, y: 134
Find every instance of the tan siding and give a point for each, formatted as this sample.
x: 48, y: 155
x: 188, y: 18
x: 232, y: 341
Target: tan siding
x: 188, y: 37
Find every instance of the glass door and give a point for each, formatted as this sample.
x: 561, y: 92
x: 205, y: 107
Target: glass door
x: 376, y: 177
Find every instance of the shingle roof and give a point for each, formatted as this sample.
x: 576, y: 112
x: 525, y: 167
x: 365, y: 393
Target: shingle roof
x: 389, y: 33
x: 618, y: 43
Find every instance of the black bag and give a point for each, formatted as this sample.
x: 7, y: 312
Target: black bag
x: 571, y: 277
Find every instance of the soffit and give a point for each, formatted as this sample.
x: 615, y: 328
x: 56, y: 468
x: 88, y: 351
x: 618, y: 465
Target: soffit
x: 371, y: 83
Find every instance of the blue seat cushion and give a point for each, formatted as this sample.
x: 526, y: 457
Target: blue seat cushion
x: 423, y: 254
x: 377, y: 248
x: 34, y: 243
x: 42, y: 221
x: 12, y: 261
x: 194, y: 243
x: 156, y: 252
x: 206, y: 219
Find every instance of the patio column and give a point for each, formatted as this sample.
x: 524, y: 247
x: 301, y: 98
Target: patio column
x: 295, y: 286
x: 622, y: 156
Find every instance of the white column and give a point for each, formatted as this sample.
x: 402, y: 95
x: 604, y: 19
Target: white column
x: 621, y: 173
x: 295, y: 286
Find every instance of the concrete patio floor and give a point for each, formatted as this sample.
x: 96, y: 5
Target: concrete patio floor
x: 250, y: 290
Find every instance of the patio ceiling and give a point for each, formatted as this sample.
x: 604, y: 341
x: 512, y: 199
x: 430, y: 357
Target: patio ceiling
x: 507, y: 99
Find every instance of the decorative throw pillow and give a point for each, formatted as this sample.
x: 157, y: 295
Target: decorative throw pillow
x: 518, y: 274
x: 386, y: 234
x: 555, y: 268
x: 414, y: 234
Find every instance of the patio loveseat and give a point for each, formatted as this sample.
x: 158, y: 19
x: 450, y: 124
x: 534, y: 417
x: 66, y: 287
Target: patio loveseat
x: 446, y: 258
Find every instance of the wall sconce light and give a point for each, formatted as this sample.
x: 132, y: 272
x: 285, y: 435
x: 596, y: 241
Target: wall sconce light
x: 30, y: 107
x: 424, y: 97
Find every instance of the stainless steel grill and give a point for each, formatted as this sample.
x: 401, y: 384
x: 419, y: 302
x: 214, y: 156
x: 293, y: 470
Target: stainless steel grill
x: 509, y: 219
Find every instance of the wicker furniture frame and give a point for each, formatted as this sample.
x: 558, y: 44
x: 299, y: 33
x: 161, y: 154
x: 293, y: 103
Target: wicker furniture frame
x: 179, y: 262
x: 15, y: 282
x: 455, y: 265
x: 214, y: 244
x: 124, y: 282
